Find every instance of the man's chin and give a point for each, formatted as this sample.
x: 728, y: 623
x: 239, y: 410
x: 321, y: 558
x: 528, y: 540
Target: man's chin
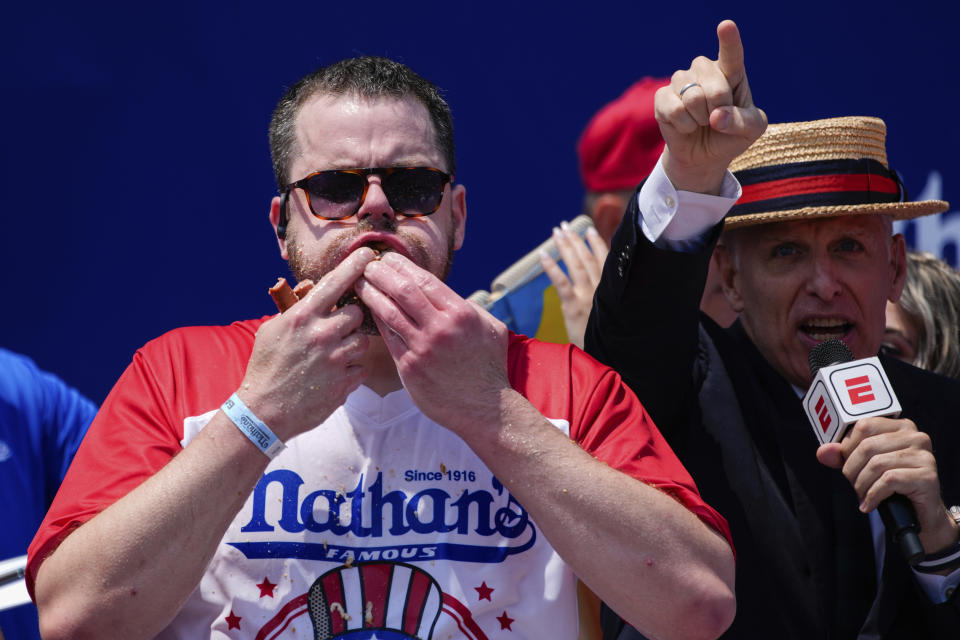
x: 367, y: 325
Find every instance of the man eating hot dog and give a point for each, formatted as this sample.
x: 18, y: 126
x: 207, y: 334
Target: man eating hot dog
x: 421, y: 474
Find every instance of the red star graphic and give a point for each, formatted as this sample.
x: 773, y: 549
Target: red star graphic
x: 233, y: 620
x: 266, y: 588
x: 505, y: 621
x: 483, y: 591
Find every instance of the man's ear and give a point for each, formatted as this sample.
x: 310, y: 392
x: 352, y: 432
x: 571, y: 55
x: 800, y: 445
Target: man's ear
x: 458, y: 212
x: 279, y: 225
x: 729, y: 276
x: 607, y: 212
x: 898, y: 266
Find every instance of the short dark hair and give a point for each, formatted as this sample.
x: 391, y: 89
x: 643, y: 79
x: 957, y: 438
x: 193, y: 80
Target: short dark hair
x: 366, y: 77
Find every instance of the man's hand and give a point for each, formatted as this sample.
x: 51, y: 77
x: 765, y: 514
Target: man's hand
x: 657, y: 563
x: 305, y: 361
x: 714, y: 120
x: 451, y: 354
x: 883, y: 456
x: 576, y: 287
x: 302, y: 367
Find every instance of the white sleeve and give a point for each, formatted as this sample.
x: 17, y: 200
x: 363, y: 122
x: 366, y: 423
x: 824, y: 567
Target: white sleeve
x: 659, y: 203
x: 938, y: 588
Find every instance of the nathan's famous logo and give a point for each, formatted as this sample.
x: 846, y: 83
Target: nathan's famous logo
x: 373, y: 601
x: 367, y: 514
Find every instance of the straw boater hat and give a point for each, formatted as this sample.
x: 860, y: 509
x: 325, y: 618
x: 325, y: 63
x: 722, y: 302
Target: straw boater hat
x: 820, y: 169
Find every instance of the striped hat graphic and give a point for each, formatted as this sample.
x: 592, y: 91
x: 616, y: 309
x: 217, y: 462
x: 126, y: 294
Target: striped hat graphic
x: 376, y: 600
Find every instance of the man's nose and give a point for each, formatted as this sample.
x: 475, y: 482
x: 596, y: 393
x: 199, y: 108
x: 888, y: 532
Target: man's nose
x: 375, y: 203
x: 823, y: 280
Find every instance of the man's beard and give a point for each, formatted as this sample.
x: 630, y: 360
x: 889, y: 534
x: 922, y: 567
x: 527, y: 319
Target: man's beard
x: 304, y: 269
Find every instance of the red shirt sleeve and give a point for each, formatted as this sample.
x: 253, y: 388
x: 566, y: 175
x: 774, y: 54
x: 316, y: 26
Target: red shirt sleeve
x: 606, y: 419
x: 138, y: 430
x: 125, y: 445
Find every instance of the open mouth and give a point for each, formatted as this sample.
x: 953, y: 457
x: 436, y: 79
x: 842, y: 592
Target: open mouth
x: 826, y: 329
x: 378, y: 246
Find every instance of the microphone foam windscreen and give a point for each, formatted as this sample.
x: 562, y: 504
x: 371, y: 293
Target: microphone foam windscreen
x: 827, y: 353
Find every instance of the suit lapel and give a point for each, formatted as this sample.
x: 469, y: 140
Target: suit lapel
x: 826, y: 536
x: 739, y: 470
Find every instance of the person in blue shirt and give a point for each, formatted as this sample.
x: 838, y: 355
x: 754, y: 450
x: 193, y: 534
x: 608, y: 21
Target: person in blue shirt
x: 42, y: 421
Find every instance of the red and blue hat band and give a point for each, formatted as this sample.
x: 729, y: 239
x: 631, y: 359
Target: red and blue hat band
x: 819, y: 183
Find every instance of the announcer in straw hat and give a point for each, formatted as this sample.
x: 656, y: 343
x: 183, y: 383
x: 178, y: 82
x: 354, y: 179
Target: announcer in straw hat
x: 808, y: 254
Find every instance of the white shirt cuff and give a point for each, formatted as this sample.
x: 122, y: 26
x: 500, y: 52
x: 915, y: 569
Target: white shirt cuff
x: 938, y: 588
x: 659, y: 203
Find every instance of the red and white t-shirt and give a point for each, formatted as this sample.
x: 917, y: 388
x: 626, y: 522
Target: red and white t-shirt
x: 378, y: 522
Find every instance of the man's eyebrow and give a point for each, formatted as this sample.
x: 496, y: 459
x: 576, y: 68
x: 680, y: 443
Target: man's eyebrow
x: 411, y: 162
x: 775, y: 238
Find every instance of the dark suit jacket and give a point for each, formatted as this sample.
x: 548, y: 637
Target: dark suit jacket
x: 805, y: 559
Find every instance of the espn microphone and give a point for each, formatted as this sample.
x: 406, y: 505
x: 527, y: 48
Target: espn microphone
x: 843, y: 391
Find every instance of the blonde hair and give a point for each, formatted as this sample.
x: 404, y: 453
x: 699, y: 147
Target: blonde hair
x: 931, y: 299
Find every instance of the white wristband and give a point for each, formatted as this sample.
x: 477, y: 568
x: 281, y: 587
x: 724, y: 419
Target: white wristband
x: 251, y: 426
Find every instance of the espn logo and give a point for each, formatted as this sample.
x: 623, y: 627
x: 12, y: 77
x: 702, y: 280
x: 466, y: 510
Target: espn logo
x: 861, y: 388
x: 823, y: 416
x: 843, y: 393
x: 822, y: 412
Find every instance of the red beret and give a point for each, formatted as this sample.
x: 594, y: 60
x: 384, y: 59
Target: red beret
x: 622, y: 142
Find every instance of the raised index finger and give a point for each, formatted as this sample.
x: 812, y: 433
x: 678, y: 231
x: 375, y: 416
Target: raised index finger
x: 337, y: 282
x: 730, y: 57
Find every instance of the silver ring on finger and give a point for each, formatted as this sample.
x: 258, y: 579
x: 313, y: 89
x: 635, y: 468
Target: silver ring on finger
x: 687, y: 86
